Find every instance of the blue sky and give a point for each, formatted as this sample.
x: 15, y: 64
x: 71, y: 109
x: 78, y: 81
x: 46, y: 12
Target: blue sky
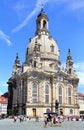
x: 18, y: 24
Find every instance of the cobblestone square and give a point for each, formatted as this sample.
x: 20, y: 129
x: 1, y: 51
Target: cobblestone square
x: 8, y: 124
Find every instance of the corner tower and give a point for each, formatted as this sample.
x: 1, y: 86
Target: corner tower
x: 17, y: 66
x: 69, y: 64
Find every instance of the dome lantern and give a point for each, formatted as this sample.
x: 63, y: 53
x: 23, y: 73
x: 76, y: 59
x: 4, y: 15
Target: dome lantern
x: 42, y: 23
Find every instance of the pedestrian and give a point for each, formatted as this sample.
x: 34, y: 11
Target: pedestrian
x: 45, y: 121
x: 68, y: 118
x: 15, y: 118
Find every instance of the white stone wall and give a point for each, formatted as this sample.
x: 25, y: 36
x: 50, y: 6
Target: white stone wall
x: 81, y: 102
x: 3, y: 108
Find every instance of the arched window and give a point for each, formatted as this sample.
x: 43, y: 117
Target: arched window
x: 39, y: 47
x: 44, y: 24
x: 34, y: 63
x: 69, y: 95
x: 56, y: 67
x: 38, y: 25
x: 69, y: 71
x: 34, y: 93
x: 71, y: 111
x: 60, y: 94
x: 46, y: 94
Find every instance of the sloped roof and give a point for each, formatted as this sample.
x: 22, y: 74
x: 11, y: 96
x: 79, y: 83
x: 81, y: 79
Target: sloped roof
x: 3, y: 100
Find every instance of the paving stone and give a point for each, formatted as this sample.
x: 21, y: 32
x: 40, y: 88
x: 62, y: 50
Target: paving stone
x: 8, y: 124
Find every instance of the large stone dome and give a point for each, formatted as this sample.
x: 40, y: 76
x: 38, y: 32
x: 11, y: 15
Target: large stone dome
x: 42, y: 48
x: 46, y: 44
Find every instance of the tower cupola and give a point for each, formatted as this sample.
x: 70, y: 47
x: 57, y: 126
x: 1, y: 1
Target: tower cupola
x: 42, y: 23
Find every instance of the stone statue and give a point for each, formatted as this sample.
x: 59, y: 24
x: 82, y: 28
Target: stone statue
x: 56, y: 104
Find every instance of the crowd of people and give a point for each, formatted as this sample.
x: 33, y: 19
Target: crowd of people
x: 49, y: 119
x: 20, y: 118
x: 52, y: 120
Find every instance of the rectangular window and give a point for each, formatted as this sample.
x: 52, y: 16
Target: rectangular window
x: 46, y: 99
x: 60, y: 99
x: 52, y: 48
x: 69, y: 100
x: 39, y: 47
x: 34, y: 63
x: 34, y: 98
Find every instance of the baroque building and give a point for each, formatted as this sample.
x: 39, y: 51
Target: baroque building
x: 81, y: 103
x: 36, y: 84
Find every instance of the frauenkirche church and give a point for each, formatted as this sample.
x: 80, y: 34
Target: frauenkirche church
x: 36, y: 84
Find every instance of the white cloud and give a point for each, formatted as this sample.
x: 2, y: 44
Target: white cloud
x: 81, y: 77
x: 1, y: 93
x: 5, y: 38
x: 76, y: 4
x: 70, y: 4
x: 80, y: 72
x: 4, y: 85
x: 21, y: 7
x: 35, y: 10
x: 3, y: 88
x: 79, y: 67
